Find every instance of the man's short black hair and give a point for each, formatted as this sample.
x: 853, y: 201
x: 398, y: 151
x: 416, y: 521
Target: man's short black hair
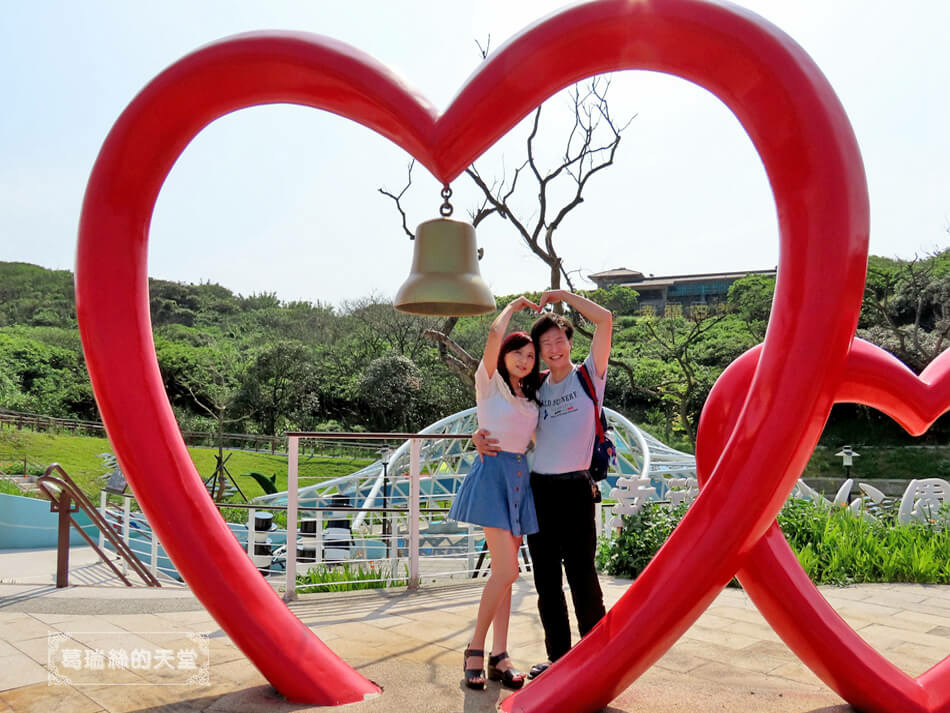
x: 547, y: 322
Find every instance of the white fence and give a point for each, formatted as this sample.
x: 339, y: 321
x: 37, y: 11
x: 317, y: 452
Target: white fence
x: 394, y: 536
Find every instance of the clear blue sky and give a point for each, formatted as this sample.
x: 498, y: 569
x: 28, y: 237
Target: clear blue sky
x: 284, y: 199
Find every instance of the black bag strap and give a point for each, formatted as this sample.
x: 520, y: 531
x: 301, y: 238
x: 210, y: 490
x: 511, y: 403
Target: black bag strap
x: 588, y: 386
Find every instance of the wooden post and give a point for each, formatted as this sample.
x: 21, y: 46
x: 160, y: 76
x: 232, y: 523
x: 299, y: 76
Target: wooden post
x: 62, y: 546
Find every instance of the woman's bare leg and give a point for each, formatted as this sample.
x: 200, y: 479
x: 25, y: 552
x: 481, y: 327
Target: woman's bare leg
x: 497, y: 591
x: 503, y: 613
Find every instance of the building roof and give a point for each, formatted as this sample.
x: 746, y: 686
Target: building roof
x: 636, y: 279
x: 618, y: 272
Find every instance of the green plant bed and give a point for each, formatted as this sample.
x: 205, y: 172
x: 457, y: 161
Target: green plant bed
x: 833, y: 545
x: 240, y: 515
x: 347, y: 578
x: 17, y: 467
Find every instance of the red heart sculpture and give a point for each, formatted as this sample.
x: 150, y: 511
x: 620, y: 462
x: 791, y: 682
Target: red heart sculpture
x: 814, y: 167
x: 771, y: 573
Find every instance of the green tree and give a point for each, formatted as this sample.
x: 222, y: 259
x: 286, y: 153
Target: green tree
x: 380, y: 328
x: 34, y: 296
x: 619, y: 300
x: 671, y: 341
x: 750, y: 298
x: 275, y: 383
x: 390, y: 389
x: 906, y: 307
x: 45, y: 379
x: 205, y: 378
x: 670, y: 363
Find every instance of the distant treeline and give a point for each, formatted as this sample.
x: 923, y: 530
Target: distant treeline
x: 257, y: 364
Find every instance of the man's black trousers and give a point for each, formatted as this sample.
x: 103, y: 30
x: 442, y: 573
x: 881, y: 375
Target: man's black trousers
x: 568, y: 535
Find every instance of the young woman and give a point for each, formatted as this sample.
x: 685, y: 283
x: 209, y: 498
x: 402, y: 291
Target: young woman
x: 496, y: 493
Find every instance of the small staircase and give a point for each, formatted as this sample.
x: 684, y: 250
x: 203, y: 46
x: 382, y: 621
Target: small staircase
x: 66, y: 497
x: 26, y: 483
x: 223, y: 494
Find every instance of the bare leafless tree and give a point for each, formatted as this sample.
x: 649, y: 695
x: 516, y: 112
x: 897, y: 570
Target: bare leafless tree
x: 397, y: 199
x: 589, y: 148
x: 585, y: 154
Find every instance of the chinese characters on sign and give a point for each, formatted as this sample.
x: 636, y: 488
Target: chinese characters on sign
x: 71, y: 663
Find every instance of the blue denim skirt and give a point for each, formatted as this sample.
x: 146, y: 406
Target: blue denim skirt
x: 497, y: 493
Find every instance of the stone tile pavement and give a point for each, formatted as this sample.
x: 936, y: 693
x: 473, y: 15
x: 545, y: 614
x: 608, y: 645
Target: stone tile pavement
x: 410, y: 643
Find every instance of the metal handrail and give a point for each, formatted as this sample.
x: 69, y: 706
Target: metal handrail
x: 69, y: 493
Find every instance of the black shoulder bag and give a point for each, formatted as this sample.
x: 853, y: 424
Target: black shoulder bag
x: 605, y: 451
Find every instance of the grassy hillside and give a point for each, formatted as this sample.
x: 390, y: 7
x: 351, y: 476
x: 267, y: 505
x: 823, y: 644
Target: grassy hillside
x: 79, y: 456
x: 883, y: 462
x: 878, y: 461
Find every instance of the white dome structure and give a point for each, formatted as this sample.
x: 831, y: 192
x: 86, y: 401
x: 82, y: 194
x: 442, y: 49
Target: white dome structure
x: 643, y: 462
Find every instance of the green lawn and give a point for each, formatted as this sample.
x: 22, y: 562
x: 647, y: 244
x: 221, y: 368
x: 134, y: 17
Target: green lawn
x: 79, y: 456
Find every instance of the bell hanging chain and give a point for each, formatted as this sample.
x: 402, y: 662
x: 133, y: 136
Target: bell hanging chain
x: 446, y: 208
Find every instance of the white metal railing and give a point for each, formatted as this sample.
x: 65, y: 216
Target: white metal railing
x: 388, y: 546
x: 401, y: 545
x: 456, y: 554
x: 412, y: 513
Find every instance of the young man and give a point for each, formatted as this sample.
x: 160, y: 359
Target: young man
x: 563, y: 489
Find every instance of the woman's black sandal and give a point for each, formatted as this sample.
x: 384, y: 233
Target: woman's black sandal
x: 471, y: 674
x: 509, y: 677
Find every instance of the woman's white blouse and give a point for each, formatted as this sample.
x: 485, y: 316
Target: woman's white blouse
x: 510, y: 419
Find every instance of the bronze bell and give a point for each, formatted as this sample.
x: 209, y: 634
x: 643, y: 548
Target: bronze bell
x: 445, y: 280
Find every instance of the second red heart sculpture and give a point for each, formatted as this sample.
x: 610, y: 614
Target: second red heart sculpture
x: 771, y: 573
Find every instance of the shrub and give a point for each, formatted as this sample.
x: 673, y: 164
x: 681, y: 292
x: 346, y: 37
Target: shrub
x: 833, y: 546
x: 627, y: 554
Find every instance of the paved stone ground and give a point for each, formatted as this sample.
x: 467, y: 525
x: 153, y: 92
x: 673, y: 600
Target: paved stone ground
x: 410, y: 644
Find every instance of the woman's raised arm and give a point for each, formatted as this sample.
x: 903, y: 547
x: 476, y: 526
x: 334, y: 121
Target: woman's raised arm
x: 496, y: 333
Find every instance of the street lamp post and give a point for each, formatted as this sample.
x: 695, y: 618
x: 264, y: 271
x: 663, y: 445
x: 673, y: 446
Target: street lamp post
x: 847, y: 455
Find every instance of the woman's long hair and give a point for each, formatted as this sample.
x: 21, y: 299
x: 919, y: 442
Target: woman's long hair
x: 530, y: 383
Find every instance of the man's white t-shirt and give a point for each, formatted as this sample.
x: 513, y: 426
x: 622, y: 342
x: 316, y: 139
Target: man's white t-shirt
x: 507, y: 417
x: 566, y: 431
